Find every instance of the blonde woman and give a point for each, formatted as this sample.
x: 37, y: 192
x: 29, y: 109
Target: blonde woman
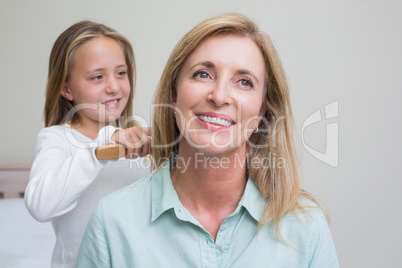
x: 225, y: 191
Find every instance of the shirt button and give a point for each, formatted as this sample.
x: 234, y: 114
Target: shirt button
x: 222, y: 248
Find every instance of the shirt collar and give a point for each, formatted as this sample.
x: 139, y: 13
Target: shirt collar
x: 162, y: 191
x: 163, y: 195
x: 253, y: 200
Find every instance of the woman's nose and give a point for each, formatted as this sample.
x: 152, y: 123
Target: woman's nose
x: 220, y: 94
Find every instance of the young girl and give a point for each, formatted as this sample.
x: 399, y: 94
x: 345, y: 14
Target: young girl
x: 88, y: 97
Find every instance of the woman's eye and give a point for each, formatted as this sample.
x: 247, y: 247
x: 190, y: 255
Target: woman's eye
x: 122, y: 73
x: 246, y: 83
x: 201, y: 74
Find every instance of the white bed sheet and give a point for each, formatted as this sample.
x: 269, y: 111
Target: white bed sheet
x: 24, y: 242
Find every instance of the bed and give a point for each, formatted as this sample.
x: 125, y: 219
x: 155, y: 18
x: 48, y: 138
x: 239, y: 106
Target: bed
x: 24, y: 242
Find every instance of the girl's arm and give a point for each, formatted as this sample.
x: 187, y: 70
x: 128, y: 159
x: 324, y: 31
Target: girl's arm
x: 59, y: 175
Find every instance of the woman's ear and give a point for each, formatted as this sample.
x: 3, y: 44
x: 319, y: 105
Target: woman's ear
x: 66, y: 92
x: 260, y: 116
x: 261, y: 113
x: 174, y: 97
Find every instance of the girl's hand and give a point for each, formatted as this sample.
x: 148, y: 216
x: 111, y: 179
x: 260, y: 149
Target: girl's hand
x: 135, y: 139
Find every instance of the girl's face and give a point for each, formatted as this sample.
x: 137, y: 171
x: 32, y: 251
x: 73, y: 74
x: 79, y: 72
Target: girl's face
x: 219, y: 94
x: 98, y: 83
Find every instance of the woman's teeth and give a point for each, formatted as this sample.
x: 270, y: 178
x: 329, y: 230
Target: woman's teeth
x: 215, y: 120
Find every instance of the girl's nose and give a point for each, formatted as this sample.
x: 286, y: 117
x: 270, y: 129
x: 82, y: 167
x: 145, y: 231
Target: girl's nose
x: 112, y: 85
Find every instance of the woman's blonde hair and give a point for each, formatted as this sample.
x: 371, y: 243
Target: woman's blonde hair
x: 61, y: 62
x: 279, y: 185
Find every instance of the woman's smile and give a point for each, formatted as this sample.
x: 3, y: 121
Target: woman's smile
x: 214, y: 121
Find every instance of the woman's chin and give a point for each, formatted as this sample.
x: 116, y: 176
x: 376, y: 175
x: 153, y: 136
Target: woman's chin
x: 216, y: 148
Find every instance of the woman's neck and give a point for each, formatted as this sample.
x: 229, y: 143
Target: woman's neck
x: 210, y: 182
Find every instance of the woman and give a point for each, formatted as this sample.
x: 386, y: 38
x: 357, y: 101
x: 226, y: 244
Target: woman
x: 230, y: 194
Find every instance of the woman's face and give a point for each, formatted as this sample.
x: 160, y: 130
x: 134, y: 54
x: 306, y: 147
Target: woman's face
x: 219, y: 94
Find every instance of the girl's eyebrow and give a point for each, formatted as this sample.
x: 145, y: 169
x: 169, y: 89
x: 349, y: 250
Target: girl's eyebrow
x: 102, y: 69
x: 94, y: 70
x: 122, y: 65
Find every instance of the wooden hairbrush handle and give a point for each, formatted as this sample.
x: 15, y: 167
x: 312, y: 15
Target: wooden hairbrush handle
x: 110, y: 151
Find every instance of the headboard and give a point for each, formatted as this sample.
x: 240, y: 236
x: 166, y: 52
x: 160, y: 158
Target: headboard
x: 13, y: 180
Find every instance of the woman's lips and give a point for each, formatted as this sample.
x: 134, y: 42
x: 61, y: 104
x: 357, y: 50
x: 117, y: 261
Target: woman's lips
x: 214, y: 121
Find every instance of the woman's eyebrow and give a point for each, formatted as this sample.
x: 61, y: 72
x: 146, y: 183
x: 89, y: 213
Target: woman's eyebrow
x: 208, y: 64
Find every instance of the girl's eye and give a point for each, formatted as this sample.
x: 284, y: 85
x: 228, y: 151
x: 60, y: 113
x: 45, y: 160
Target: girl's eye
x: 201, y: 74
x: 122, y: 73
x: 97, y: 77
x: 246, y: 83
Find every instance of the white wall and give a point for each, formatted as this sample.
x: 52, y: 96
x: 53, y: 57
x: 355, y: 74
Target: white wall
x: 345, y: 51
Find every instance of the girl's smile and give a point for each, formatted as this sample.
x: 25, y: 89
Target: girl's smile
x: 111, y: 104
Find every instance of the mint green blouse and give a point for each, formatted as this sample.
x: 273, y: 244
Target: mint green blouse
x: 145, y: 225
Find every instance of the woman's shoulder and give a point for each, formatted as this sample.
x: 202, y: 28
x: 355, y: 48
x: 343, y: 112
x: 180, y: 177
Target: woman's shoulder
x: 308, y: 214
x: 138, y: 191
x: 137, y: 198
x: 308, y: 208
x: 305, y: 223
x: 129, y: 204
x: 309, y: 230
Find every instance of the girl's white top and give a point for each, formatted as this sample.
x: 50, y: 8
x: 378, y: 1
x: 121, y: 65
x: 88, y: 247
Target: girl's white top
x: 67, y: 181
